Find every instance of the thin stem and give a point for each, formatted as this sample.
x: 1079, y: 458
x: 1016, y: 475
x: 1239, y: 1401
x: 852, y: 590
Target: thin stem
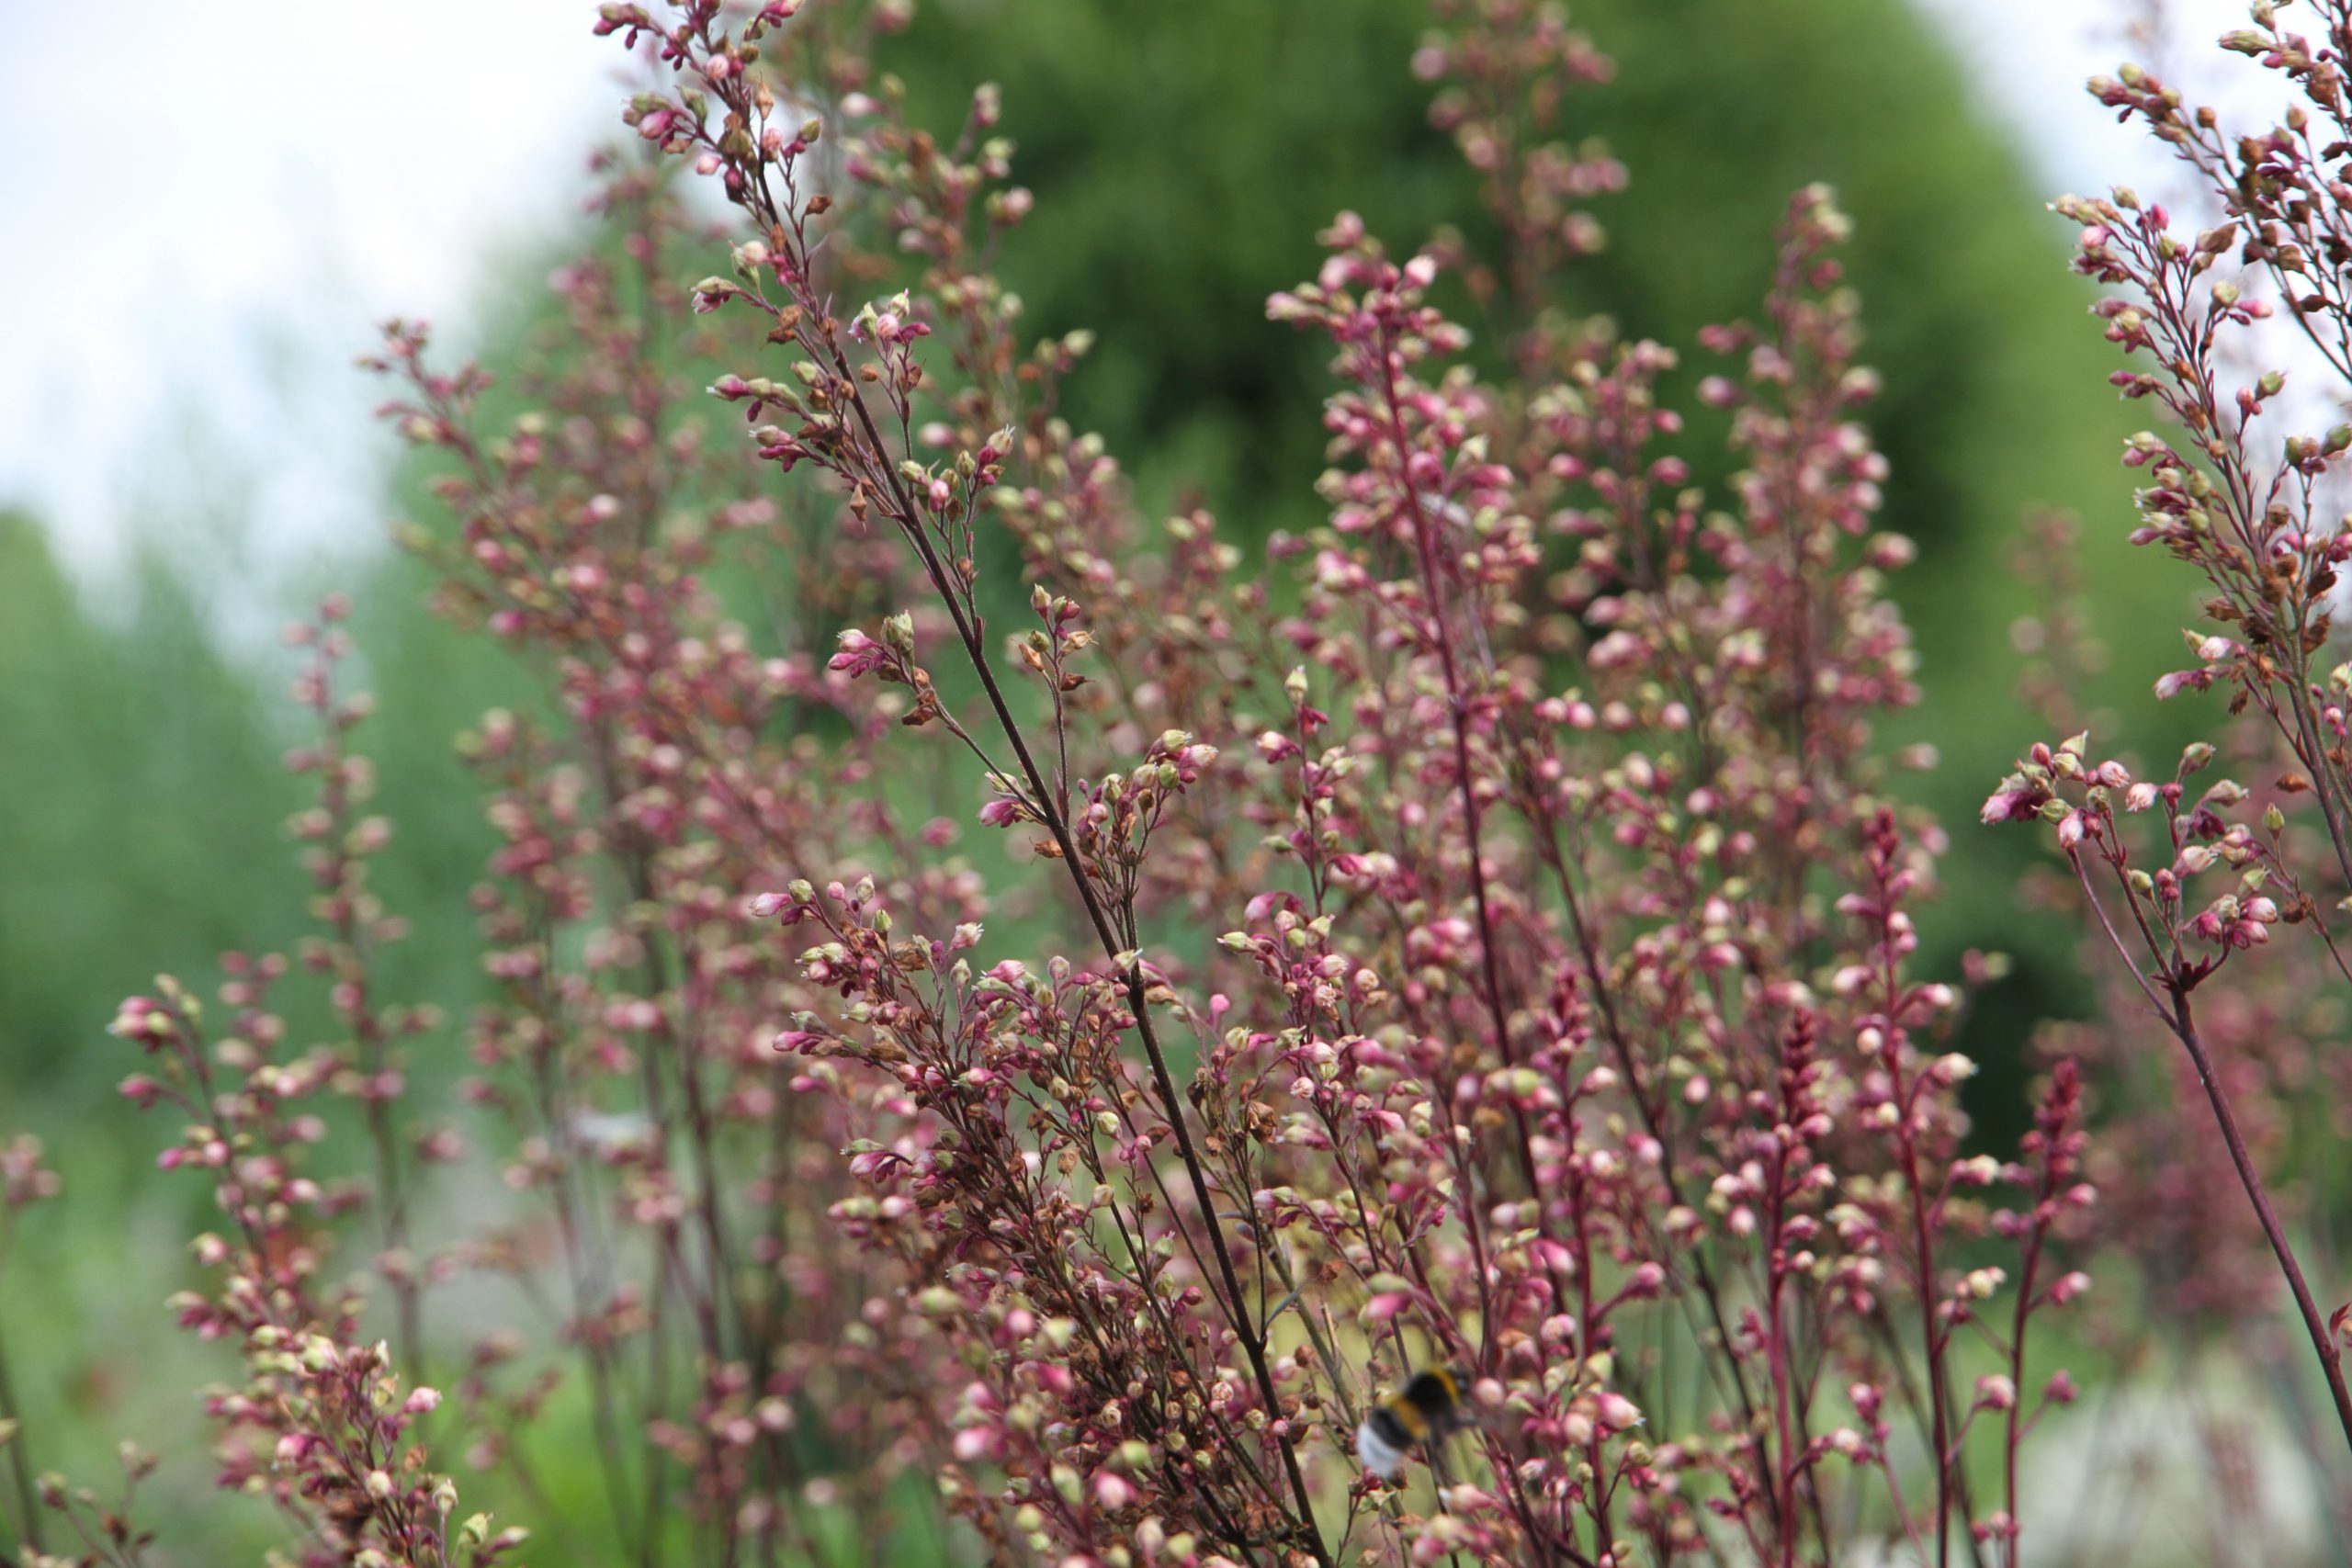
x: 1164, y: 1080
x: 2331, y: 1358
x: 1457, y: 713
x: 2181, y: 1019
x: 19, y: 1470
x: 2325, y: 780
x: 1653, y: 1123
x: 1926, y: 1263
x: 1934, y: 1342
x: 2013, y: 1436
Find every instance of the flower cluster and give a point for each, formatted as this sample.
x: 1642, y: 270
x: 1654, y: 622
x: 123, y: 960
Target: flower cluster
x: 1535, y: 1037
x: 2186, y: 880
x: 1479, y: 933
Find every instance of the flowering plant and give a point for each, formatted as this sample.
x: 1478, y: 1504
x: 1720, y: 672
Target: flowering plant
x: 1477, y: 934
x: 2189, y: 881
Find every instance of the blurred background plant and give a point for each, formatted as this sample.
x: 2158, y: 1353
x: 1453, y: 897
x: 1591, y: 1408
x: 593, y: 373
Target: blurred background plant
x: 1183, y: 160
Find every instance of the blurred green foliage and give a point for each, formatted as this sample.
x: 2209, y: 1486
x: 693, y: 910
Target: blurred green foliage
x: 1184, y: 157
x: 140, y: 800
x: 144, y: 796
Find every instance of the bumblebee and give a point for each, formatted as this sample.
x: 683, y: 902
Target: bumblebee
x: 1427, y: 1409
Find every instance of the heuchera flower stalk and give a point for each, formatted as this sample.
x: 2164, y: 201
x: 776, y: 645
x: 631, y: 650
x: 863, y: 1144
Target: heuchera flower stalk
x: 2238, y: 497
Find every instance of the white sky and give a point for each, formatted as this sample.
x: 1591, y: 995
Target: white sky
x: 2031, y: 58
x: 211, y: 217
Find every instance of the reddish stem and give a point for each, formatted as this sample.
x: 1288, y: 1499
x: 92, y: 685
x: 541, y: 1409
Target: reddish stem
x: 2331, y: 1357
x: 2181, y: 1019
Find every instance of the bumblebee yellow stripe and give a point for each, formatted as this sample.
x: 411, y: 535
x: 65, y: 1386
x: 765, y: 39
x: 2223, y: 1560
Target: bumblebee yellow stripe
x: 1408, y: 1416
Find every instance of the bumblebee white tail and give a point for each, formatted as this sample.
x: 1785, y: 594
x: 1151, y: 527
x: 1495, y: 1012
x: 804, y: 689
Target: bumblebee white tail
x: 1378, y: 1455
